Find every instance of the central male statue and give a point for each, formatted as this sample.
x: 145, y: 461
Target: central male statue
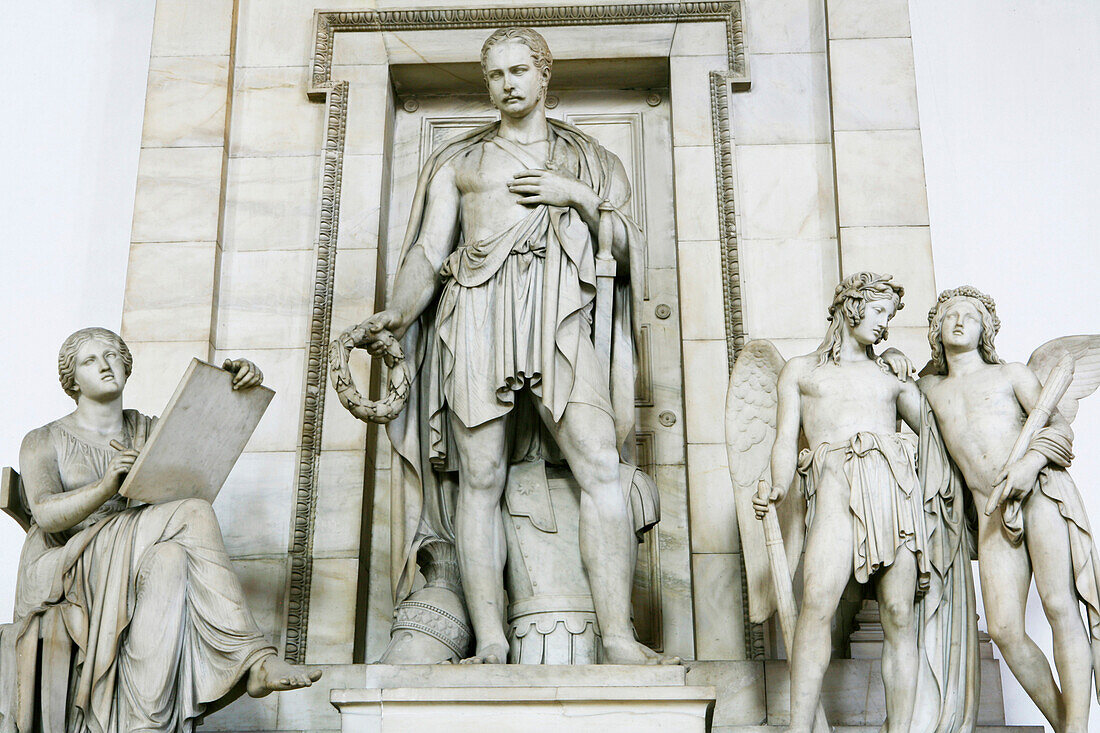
x: 494, y: 300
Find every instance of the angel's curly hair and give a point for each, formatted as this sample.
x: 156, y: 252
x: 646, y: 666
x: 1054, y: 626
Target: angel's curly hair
x: 850, y: 303
x: 540, y: 51
x: 991, y: 324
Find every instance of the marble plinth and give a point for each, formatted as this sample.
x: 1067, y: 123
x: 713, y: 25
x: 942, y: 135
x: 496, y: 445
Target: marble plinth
x: 525, y: 709
x: 524, y: 698
x: 746, y: 695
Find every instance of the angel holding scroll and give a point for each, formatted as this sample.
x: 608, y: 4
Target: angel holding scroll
x: 866, y: 512
x: 1034, y: 521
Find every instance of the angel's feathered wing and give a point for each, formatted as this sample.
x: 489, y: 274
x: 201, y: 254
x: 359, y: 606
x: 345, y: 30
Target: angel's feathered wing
x: 1086, y: 374
x: 751, y: 405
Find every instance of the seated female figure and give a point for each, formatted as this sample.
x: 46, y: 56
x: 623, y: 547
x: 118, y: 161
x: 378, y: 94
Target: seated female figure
x: 147, y: 592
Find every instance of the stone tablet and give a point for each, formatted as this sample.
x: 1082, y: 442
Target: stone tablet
x: 197, y: 440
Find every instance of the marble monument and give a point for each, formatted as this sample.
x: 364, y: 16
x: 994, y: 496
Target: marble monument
x: 770, y: 149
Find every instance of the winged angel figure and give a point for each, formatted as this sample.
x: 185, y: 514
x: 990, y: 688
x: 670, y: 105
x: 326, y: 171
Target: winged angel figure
x: 871, y: 503
x: 1006, y: 428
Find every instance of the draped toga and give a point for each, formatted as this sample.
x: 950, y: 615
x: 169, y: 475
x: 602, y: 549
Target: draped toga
x: 93, y: 576
x: 514, y: 311
x: 906, y: 493
x: 886, y: 503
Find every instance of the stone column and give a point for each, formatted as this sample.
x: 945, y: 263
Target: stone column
x: 882, y: 207
x: 175, y: 245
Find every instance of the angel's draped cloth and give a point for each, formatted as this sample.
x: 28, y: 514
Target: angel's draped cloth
x: 905, y: 492
x: 515, y: 310
x: 886, y: 503
x: 96, y: 575
x: 1055, y: 443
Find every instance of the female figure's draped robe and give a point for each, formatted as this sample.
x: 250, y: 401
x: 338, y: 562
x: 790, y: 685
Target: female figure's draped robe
x: 546, y: 264
x: 97, y: 575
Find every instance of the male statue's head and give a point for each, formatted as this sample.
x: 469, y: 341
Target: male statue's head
x: 862, y: 307
x: 95, y: 363
x: 963, y: 319
x: 516, y: 65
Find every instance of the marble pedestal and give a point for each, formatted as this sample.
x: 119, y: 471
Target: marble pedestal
x: 525, y: 699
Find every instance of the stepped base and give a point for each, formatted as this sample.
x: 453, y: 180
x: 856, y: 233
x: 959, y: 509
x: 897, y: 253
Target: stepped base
x: 525, y: 709
x: 853, y: 694
x: 870, y: 729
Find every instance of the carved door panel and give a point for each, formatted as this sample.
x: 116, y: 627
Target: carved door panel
x: 635, y: 126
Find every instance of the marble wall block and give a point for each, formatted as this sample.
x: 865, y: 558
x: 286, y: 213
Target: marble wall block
x: 169, y: 290
x: 695, y: 182
x: 786, y: 286
x: 272, y: 115
x: 178, y: 195
x: 185, y: 101
x: 788, y: 101
x: 158, y: 368
x: 566, y: 41
x: 340, y: 499
x: 676, y: 580
x: 785, y: 191
x: 700, y: 292
x: 719, y: 627
x: 705, y: 364
x: 784, y: 26
x: 264, y: 583
x: 360, y: 199
x: 740, y: 688
x: 868, y: 18
x: 332, y: 610
x: 271, y: 203
x: 689, y: 82
x: 874, y: 84
x: 255, y: 504
x: 265, y: 299
x: 379, y: 611
x: 699, y: 39
x: 192, y: 28
x: 370, y: 106
x: 880, y: 179
x: 710, y: 500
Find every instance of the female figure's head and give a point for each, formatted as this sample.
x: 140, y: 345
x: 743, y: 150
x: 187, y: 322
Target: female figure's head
x: 94, y: 362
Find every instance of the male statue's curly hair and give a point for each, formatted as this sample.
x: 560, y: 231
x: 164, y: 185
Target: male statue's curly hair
x: 991, y: 324
x: 528, y: 37
x: 850, y: 303
x: 66, y: 357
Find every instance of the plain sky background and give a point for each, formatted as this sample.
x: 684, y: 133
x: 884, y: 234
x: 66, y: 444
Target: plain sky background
x: 1009, y: 95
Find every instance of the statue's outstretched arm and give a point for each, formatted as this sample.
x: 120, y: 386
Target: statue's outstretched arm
x: 53, y: 508
x: 418, y: 276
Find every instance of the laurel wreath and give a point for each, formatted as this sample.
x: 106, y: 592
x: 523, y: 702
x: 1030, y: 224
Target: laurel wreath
x: 339, y: 352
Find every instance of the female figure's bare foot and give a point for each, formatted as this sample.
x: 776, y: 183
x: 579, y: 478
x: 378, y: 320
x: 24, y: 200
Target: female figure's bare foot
x: 489, y: 654
x: 272, y: 674
x: 629, y: 651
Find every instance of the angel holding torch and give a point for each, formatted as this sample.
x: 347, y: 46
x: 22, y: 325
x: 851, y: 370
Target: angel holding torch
x: 1009, y: 436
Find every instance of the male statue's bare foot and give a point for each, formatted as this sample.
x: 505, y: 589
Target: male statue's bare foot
x: 629, y: 651
x: 488, y: 654
x: 272, y: 674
